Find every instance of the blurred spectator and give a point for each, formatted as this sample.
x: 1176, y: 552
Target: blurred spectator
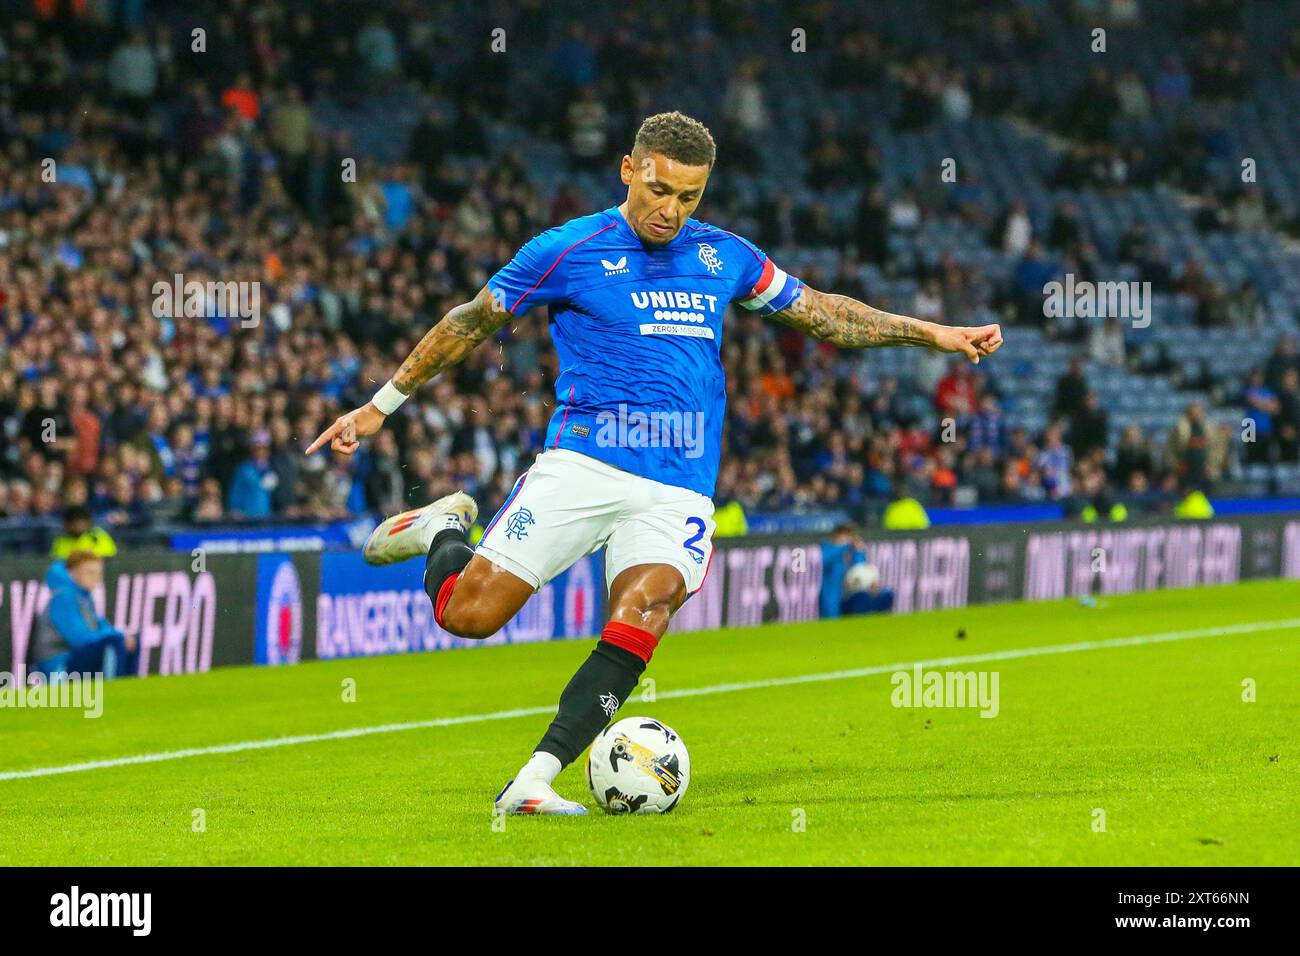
x: 242, y: 97
x: 1188, y: 447
x: 255, y: 481
x: 70, y: 635
x: 904, y: 513
x: 1034, y: 271
x: 1131, y: 93
x: 839, y: 553
x: 1288, y: 416
x: 905, y: 212
x: 587, y: 122
x: 745, y: 103
x: 1262, y: 407
x: 956, y: 395
x: 1055, y: 464
x: 1071, y: 391
x: 133, y: 71
x: 377, y: 48
x: 1106, y: 343
x: 1015, y: 229
x: 385, y: 486
x: 1132, y: 457
x: 1065, y: 230
x: 730, y: 520
x: 956, y: 98
x: 80, y: 534
x: 1089, y: 428
x: 1282, y: 360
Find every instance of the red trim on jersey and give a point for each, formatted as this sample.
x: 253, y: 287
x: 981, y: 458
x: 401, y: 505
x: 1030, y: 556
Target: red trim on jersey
x: 567, y: 405
x: 768, y: 267
x: 640, y: 642
x: 444, y: 595
x: 764, y: 279
x: 556, y: 263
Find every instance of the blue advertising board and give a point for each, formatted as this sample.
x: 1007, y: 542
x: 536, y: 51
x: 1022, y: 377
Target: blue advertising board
x: 279, y: 612
x: 320, y: 536
x: 363, y: 610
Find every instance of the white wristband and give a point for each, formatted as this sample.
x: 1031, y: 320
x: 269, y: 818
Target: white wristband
x: 388, y: 399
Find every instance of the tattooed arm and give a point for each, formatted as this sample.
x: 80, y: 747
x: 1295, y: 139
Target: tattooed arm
x: 851, y: 324
x: 460, y: 332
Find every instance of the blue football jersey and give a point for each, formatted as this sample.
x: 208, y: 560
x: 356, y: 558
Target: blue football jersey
x: 638, y: 330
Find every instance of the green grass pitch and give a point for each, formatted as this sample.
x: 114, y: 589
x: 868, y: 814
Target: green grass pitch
x: 1156, y: 735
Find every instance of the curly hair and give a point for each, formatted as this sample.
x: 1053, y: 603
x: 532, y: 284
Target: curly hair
x: 676, y: 136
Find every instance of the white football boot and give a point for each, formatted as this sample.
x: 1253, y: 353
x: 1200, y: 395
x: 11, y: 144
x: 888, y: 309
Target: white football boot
x: 409, y: 534
x: 531, y: 796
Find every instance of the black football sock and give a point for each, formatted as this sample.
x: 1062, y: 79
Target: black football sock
x: 591, y: 698
x: 449, y: 552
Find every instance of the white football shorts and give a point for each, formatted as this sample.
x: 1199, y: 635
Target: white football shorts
x: 569, y: 505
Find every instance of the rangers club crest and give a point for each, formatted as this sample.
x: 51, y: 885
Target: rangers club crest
x: 284, y: 616
x: 517, y: 524
x: 709, y: 256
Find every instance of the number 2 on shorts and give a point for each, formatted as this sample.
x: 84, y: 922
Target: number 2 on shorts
x: 697, y: 553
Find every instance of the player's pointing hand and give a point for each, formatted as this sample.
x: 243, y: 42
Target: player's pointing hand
x: 343, y: 434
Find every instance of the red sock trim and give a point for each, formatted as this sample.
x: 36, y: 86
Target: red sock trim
x: 640, y: 642
x: 444, y: 595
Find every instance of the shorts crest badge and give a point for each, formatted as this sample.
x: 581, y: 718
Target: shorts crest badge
x: 518, y: 523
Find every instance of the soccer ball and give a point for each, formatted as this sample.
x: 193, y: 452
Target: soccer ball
x: 861, y: 577
x: 638, y: 765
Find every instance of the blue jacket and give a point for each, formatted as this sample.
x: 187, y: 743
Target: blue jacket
x: 69, y: 621
x: 248, y: 493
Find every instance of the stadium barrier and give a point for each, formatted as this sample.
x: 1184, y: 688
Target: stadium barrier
x: 194, y: 612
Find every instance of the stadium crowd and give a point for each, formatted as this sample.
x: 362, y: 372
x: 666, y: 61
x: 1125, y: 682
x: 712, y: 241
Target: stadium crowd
x: 130, y: 159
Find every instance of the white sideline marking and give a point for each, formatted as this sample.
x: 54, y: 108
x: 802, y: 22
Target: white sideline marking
x: 1013, y: 654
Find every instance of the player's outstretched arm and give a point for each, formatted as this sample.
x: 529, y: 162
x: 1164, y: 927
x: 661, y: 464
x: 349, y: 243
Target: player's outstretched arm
x: 461, y: 331
x: 851, y: 324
